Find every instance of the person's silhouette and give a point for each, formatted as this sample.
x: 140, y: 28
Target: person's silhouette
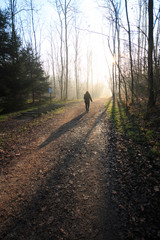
x: 87, y: 99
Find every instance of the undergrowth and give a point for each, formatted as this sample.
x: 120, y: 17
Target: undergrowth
x: 32, y: 107
x: 22, y: 130
x: 132, y: 125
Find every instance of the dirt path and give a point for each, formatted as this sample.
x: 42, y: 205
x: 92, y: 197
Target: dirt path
x: 56, y: 186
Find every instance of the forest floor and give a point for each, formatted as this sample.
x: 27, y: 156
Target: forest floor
x: 69, y: 175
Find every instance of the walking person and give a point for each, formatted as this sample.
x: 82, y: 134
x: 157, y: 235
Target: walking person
x: 87, y: 99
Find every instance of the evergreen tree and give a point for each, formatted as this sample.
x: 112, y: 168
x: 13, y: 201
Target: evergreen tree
x: 11, y: 72
x: 21, y: 72
x: 36, y: 79
x: 5, y: 40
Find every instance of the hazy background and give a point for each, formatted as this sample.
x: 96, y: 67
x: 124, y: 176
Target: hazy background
x: 90, y: 24
x: 92, y: 45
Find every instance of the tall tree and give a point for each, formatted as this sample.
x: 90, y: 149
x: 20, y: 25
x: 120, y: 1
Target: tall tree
x: 5, y: 39
x: 157, y: 56
x: 53, y: 64
x: 33, y: 26
x: 64, y: 7
x: 151, y: 100
x: 37, y: 81
x: 11, y: 68
x: 89, y: 66
x: 14, y: 39
x: 19, y: 75
x: 114, y: 7
x: 61, y: 77
x: 76, y: 49
x: 65, y: 11
x: 139, y: 41
x: 130, y: 52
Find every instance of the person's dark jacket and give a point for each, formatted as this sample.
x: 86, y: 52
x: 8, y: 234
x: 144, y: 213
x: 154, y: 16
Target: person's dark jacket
x: 87, y: 97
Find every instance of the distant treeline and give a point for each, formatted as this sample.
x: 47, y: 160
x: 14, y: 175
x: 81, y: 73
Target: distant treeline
x: 21, y: 71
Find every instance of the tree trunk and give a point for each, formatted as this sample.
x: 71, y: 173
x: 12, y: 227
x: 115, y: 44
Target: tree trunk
x: 33, y: 28
x: 62, y: 67
x: 151, y: 100
x: 66, y: 45
x: 76, y: 69
x: 139, y: 42
x: 61, y: 80
x: 89, y: 65
x: 130, y: 52
x: 145, y: 41
x: 156, y: 60
x: 13, y: 13
x: 114, y: 55
x: 76, y: 57
x: 119, y: 75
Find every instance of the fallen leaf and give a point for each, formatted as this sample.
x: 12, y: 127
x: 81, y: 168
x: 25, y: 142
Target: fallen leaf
x: 63, y: 231
x: 71, y: 182
x: 121, y: 206
x: 114, y: 192
x: 133, y: 218
x: 143, y: 220
x: 50, y: 220
x: 94, y: 153
x: 17, y: 154
x: 156, y: 189
x: 43, y: 208
x: 85, y: 197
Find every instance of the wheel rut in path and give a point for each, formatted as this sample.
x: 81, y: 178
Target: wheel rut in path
x: 64, y: 193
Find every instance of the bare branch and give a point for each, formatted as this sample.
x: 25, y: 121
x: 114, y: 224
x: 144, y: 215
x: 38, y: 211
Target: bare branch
x: 157, y: 17
x: 143, y: 32
x: 68, y: 3
x: 23, y: 9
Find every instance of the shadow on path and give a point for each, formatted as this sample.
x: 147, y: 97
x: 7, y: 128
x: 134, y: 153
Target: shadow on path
x: 46, y: 224
x: 63, y: 129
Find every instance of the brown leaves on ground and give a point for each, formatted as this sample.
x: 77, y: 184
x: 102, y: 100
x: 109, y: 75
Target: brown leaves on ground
x: 135, y: 184
x: 86, y: 184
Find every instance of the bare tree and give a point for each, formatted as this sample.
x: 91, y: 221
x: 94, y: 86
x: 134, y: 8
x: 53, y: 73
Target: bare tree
x: 53, y: 63
x: 114, y: 7
x: 76, y: 48
x: 130, y: 52
x: 145, y: 38
x: 139, y: 41
x: 121, y: 75
x: 61, y: 82
x: 33, y: 26
x: 13, y: 12
x: 119, y: 60
x: 89, y: 61
x: 151, y: 100
x: 157, y: 56
x: 63, y: 8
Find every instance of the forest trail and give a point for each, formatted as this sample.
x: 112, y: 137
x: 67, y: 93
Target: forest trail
x: 57, y: 183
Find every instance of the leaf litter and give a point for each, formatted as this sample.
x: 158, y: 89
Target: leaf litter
x: 55, y: 190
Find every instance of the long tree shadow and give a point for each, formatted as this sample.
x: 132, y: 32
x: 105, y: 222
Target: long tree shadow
x: 131, y: 129
x: 134, y: 161
x: 133, y: 125
x: 62, y: 130
x: 113, y: 111
x: 36, y: 221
